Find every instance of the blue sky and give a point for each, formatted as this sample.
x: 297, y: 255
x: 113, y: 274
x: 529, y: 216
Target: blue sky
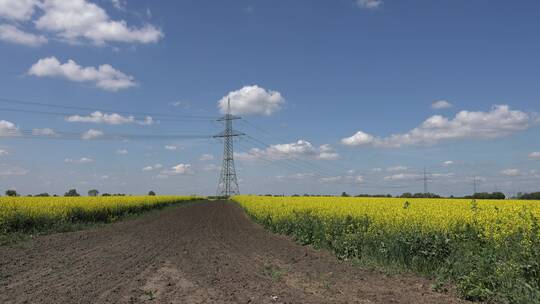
x: 324, y: 83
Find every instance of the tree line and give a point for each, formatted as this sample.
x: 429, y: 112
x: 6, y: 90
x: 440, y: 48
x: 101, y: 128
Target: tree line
x: 71, y: 193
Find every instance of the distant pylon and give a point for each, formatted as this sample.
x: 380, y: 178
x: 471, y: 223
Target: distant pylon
x: 228, y: 184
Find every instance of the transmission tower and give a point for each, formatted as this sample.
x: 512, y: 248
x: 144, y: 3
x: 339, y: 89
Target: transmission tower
x: 228, y: 184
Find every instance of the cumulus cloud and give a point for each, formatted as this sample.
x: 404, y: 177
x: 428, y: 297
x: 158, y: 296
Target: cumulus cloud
x: 498, y: 122
x: 82, y: 160
x: 8, y: 128
x: 104, y: 77
x: 369, y: 4
x: 122, y: 152
x: 300, y: 149
x: 3, y: 152
x: 180, y: 169
x: 17, y: 10
x: 206, y: 157
x: 44, y: 132
x: 252, y: 100
x: 327, y: 152
x: 77, y: 20
x: 441, y: 104
x: 119, y: 4
x: 12, y: 34
x: 110, y: 119
x: 154, y: 167
x: 448, y: 163
x: 534, y: 156
x: 511, y: 172
x: 92, y: 134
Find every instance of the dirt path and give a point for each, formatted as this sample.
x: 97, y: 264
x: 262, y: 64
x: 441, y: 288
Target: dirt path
x: 201, y: 253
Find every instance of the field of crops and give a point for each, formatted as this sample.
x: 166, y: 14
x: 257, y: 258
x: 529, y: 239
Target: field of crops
x: 490, y: 250
x: 33, y: 214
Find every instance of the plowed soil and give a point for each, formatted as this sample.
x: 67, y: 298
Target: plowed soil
x: 200, y: 253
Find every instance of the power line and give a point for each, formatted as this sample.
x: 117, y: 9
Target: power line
x: 49, y: 134
x: 58, y: 106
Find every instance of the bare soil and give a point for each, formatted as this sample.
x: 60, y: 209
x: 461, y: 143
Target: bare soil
x: 201, y: 253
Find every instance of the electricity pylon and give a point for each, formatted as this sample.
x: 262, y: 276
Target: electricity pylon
x: 228, y: 184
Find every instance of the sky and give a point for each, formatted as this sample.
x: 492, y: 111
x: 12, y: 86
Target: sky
x: 359, y: 96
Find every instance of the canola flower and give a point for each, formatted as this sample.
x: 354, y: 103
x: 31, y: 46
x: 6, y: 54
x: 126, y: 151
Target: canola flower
x: 490, y: 249
x: 27, y: 214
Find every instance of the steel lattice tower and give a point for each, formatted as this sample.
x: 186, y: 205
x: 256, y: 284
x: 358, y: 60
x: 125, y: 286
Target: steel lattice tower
x: 228, y: 184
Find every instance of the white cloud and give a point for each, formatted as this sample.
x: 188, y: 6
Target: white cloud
x: 18, y: 10
x: 110, y: 119
x: 82, y: 160
x: 299, y: 149
x: 342, y: 179
x: 12, y: 34
x: 122, y: 152
x: 171, y: 147
x: 511, y: 172
x: 396, y: 168
x: 414, y: 176
x: 534, y: 156
x: 327, y: 152
x: 154, y: 167
x: 104, y: 77
x: 180, y: 169
x: 498, y: 122
x: 448, y: 163
x: 3, y: 152
x: 252, y: 100
x: 44, y: 132
x: 377, y: 169
x: 402, y: 176
x: 206, y: 157
x: 181, y: 104
x: 369, y: 4
x: 441, y: 104
x: 92, y: 134
x: 77, y: 20
x: 9, y: 170
x: 8, y: 128
x: 119, y: 4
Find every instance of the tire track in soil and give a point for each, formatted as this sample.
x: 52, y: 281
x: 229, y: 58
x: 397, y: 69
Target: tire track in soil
x: 207, y: 252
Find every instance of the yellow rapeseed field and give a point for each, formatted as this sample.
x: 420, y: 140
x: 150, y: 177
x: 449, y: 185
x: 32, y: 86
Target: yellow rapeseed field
x: 490, y: 249
x: 35, y: 213
x: 495, y: 218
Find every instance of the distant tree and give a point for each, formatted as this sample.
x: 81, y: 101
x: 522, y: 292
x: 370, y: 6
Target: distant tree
x: 11, y: 193
x: 44, y: 194
x: 529, y: 196
x: 72, y: 192
x: 151, y: 193
x: 485, y: 195
x: 406, y: 195
x: 93, y: 192
x: 344, y: 194
x: 105, y: 194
